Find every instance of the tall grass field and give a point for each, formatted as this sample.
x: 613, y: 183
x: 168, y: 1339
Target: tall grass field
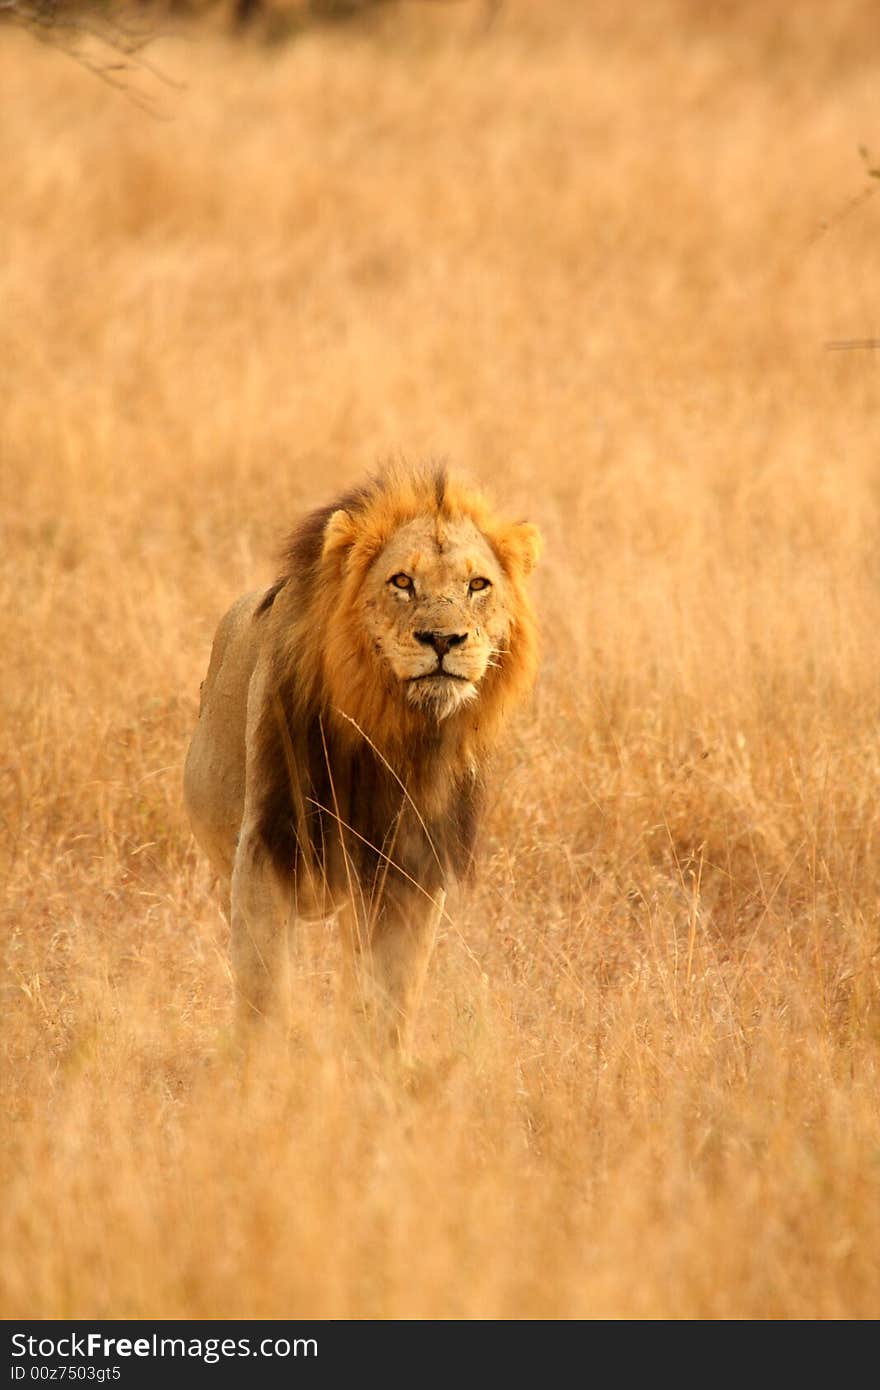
x: 593, y: 255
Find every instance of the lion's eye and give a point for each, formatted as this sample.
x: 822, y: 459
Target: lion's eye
x: 476, y: 586
x: 401, y: 581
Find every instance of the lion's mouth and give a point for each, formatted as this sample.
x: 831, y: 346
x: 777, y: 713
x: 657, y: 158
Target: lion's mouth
x: 440, y: 674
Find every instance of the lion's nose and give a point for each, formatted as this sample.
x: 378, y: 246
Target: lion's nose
x: 441, y: 641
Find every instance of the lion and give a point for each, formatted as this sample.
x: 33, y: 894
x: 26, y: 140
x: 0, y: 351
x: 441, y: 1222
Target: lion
x: 347, y: 716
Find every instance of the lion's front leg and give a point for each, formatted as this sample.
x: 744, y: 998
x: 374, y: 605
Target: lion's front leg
x: 396, y: 960
x: 260, y: 910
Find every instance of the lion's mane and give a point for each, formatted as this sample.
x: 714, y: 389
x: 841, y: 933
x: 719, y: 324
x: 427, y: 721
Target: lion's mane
x: 356, y: 781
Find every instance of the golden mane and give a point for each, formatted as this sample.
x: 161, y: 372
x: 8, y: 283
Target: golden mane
x: 325, y: 561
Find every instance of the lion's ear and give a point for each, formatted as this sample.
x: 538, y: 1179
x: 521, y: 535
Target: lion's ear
x: 520, y: 546
x: 339, y: 533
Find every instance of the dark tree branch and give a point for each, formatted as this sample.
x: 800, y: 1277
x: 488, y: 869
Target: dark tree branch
x: 110, y: 47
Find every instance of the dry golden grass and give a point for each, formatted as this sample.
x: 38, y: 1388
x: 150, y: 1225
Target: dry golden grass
x: 578, y: 255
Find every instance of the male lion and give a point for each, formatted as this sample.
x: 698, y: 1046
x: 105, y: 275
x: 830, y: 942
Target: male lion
x: 345, y: 721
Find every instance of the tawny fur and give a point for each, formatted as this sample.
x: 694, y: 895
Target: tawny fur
x: 346, y: 720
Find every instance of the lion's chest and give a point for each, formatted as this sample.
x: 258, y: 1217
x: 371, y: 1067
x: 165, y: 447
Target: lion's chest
x: 347, y: 821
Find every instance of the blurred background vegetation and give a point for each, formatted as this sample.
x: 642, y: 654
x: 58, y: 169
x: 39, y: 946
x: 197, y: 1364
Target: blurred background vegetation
x: 278, y: 18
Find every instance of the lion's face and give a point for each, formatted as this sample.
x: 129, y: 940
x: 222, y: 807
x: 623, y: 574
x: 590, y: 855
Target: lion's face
x: 435, y: 605
x: 419, y: 611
